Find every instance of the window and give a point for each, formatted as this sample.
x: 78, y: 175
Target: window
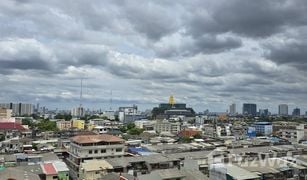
x: 103, y: 151
x: 119, y: 150
x: 96, y: 151
x: 90, y: 152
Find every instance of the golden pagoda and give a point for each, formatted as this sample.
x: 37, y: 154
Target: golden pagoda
x: 171, y: 100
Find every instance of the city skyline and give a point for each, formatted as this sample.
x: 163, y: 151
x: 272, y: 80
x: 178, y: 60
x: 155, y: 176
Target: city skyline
x: 204, y: 53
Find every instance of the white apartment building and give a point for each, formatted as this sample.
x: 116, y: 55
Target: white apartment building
x: 77, y: 112
x: 5, y: 113
x: 87, y: 147
x: 166, y: 126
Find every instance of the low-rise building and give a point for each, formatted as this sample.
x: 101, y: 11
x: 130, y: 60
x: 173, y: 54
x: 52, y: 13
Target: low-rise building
x: 263, y: 128
x: 166, y: 126
x: 89, y: 147
x: 5, y: 113
x: 63, y: 125
x: 78, y: 124
x: 94, y: 169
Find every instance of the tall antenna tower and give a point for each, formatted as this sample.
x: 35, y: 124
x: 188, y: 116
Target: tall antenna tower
x: 81, y: 93
x: 111, y: 100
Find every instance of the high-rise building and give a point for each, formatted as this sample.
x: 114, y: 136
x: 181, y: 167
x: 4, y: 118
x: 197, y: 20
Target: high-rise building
x: 249, y: 109
x: 18, y: 109
x: 296, y: 112
x: 232, y: 109
x: 283, y: 110
x: 77, y: 112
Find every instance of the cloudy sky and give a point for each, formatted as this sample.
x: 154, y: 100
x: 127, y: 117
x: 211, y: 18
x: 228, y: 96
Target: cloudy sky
x: 206, y: 53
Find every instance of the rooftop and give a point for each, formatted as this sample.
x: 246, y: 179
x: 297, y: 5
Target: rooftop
x: 49, y: 169
x: 96, y: 138
x: 95, y: 165
x: 14, y: 173
x: 11, y: 125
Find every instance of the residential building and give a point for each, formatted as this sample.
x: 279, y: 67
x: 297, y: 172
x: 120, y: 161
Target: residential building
x: 87, y: 147
x: 232, y: 172
x: 249, y: 109
x: 5, y: 113
x: 18, y: 109
x: 55, y: 170
x: 78, y: 124
x: 94, y: 169
x: 64, y: 125
x: 129, y: 114
x: 78, y: 112
x: 232, y: 109
x: 109, y: 115
x: 146, y: 125
x: 292, y: 135
x: 166, y: 126
x: 263, y: 128
x: 114, y: 130
x: 176, y: 174
x: 283, y: 110
x: 189, y: 132
x: 296, y: 112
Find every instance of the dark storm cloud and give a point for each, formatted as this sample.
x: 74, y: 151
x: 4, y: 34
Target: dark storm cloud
x: 251, y: 18
x: 292, y: 53
x: 211, y: 51
x: 22, y: 64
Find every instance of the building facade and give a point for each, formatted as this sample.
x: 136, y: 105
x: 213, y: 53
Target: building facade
x: 166, y: 126
x: 63, y: 125
x: 88, y: 147
x: 249, y: 109
x: 263, y: 128
x: 296, y: 112
x: 232, y: 109
x: 5, y: 113
x: 18, y: 109
x: 283, y: 110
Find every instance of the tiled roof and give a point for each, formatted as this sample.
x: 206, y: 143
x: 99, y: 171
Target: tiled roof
x: 49, y: 169
x: 11, y: 125
x: 96, y: 138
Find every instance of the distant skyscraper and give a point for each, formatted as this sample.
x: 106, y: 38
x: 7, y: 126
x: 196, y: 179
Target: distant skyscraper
x: 249, y: 109
x: 18, y: 109
x: 232, y: 109
x: 264, y: 112
x: 78, y: 112
x: 283, y: 110
x: 296, y: 112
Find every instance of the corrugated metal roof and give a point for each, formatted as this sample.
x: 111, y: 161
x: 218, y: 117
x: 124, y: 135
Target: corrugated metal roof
x: 60, y: 166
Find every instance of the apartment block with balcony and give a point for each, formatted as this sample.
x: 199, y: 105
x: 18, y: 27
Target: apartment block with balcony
x: 87, y: 147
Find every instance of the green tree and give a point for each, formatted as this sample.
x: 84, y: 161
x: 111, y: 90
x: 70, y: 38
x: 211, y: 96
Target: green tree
x: 2, y: 137
x: 47, y: 125
x: 130, y: 125
x: 135, y: 131
x: 185, y: 139
x: 67, y: 117
x: 28, y: 121
x: 94, y: 117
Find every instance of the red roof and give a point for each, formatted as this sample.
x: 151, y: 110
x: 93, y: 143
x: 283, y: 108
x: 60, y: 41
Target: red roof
x: 11, y: 125
x: 49, y: 169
